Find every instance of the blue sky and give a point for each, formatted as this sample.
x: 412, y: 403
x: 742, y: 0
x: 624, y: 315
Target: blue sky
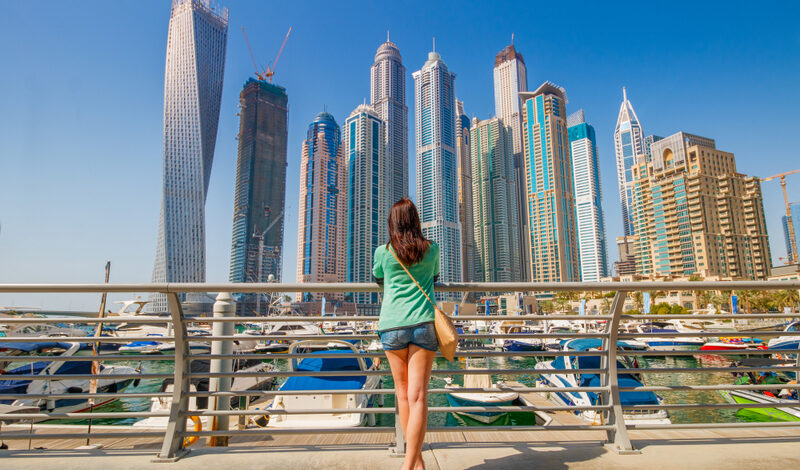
x: 82, y: 91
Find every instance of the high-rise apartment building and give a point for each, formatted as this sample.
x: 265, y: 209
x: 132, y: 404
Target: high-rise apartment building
x: 626, y: 266
x: 588, y: 200
x: 511, y: 78
x: 322, y: 216
x: 548, y: 177
x: 648, y: 141
x: 436, y: 165
x: 628, y: 145
x: 465, y: 193
x: 696, y: 215
x: 365, y: 160
x: 195, y: 64
x: 794, y: 210
x: 259, y: 201
x: 495, y: 208
x: 388, y: 97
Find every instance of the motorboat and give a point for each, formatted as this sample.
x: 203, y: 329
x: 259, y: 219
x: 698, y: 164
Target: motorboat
x: 734, y: 343
x: 15, y: 380
x: 665, y: 343
x: 787, y: 341
x: 163, y: 404
x: 780, y: 395
x: 142, y: 347
x: 497, y: 397
x: 523, y: 344
x: 583, y: 379
x: 358, y: 387
x: 289, y: 329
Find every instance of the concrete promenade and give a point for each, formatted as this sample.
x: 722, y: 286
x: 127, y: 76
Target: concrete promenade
x: 688, y: 449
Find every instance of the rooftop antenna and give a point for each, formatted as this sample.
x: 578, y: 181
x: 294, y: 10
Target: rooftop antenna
x: 624, y: 94
x: 512, y: 39
x: 387, y: 35
x: 434, y: 44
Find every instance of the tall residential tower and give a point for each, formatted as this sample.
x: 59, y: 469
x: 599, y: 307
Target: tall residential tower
x: 259, y: 201
x: 511, y: 78
x: 388, y: 97
x: 548, y: 172
x: 198, y: 34
x: 588, y: 207
x: 365, y: 160
x: 465, y: 193
x: 628, y: 145
x: 322, y: 220
x: 437, y: 169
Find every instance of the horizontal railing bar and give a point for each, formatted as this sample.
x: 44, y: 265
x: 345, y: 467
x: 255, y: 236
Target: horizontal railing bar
x: 95, y: 435
x: 362, y: 373
x: 359, y: 318
x: 138, y: 319
x: 391, y: 391
x: 697, y: 352
x: 788, y: 424
x: 344, y: 353
x: 431, y: 409
x: 707, y: 369
x: 189, y: 287
x: 715, y: 316
x: 60, y: 377
x: 98, y: 358
x: 680, y: 406
x: 116, y: 414
x: 92, y: 339
x: 668, y: 388
x: 356, y: 430
x: 707, y: 334
x: 58, y: 396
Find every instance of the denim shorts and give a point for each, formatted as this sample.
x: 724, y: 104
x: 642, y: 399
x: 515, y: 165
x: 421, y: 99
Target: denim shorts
x: 422, y: 335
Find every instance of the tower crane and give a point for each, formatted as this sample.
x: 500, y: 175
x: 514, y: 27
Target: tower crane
x: 266, y: 75
x: 793, y: 259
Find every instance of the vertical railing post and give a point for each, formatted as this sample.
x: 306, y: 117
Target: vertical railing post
x: 172, y: 448
x: 224, y: 307
x: 618, y: 436
x: 399, y: 448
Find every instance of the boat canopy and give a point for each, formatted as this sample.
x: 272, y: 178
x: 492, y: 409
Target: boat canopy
x: 33, y: 347
x: 320, y: 364
x: 585, y: 344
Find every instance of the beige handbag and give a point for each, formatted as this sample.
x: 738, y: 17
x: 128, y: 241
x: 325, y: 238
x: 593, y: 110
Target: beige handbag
x: 445, y: 330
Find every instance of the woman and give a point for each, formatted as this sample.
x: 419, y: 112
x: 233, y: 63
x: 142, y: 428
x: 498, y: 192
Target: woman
x: 406, y: 322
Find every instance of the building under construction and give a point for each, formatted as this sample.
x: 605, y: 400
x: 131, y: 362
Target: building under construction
x: 694, y: 214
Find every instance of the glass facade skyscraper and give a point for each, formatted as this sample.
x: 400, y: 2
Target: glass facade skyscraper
x: 628, y: 145
x: 794, y: 210
x: 365, y: 150
x: 259, y: 201
x: 193, y: 74
x: 322, y: 216
x: 548, y: 173
x: 495, y: 208
x: 465, y: 193
x: 388, y: 98
x: 436, y: 165
x: 588, y: 201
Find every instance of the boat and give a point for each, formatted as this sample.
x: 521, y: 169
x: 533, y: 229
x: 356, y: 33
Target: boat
x: 357, y: 385
x: 142, y: 347
x: 497, y: 397
x: 550, y: 379
x: 163, y: 404
x: 15, y: 381
x: 776, y: 396
x: 733, y: 343
x: 787, y: 341
x: 666, y: 343
x: 289, y: 330
x: 523, y: 344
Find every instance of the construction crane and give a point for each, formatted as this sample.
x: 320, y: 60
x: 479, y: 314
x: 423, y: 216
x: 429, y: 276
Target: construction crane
x: 266, y: 75
x: 793, y: 258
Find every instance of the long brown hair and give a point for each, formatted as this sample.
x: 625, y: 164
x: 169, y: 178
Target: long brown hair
x: 405, y: 232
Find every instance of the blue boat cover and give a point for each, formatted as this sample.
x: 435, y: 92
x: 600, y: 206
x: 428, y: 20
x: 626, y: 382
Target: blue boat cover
x: 315, y: 364
x: 585, y: 344
x: 19, y: 384
x: 625, y: 380
x: 31, y: 347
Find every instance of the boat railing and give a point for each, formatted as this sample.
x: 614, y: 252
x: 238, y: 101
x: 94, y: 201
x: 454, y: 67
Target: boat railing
x: 608, y: 407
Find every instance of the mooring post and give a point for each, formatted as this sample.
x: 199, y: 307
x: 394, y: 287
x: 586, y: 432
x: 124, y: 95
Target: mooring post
x: 224, y: 307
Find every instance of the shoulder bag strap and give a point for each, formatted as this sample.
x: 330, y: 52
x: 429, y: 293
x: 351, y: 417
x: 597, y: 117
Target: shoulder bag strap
x: 412, y: 277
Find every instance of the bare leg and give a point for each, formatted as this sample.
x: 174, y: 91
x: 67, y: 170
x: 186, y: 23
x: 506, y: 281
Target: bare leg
x: 398, y: 363
x: 420, y: 363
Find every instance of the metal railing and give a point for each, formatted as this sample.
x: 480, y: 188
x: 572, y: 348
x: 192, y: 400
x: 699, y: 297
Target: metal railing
x: 609, y: 405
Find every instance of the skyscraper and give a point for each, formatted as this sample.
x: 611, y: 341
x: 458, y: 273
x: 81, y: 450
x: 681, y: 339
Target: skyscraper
x: 388, y: 96
x: 548, y: 176
x: 495, y: 209
x: 437, y: 169
x: 365, y: 149
x: 628, y: 144
x: 198, y: 35
x: 465, y: 193
x: 321, y: 233
x: 259, y: 201
x: 511, y: 78
x: 695, y: 214
x: 588, y: 207
x: 794, y: 210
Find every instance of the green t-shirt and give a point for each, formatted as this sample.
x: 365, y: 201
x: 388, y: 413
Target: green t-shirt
x: 403, y: 303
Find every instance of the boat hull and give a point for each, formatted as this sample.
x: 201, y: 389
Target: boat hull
x: 748, y: 397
